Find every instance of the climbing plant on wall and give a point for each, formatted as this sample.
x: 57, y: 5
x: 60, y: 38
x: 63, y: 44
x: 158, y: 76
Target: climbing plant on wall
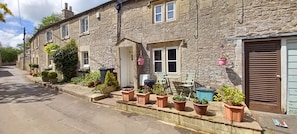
x: 50, y: 47
x: 66, y: 59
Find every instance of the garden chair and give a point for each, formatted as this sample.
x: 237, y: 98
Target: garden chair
x: 162, y: 80
x: 189, y: 83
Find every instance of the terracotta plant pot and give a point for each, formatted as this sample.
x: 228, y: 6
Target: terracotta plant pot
x: 162, y: 101
x: 179, y: 105
x: 200, y: 108
x: 127, y: 95
x: 143, y: 98
x: 222, y: 61
x: 234, y: 113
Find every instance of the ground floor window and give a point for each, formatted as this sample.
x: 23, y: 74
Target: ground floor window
x: 85, y: 58
x: 165, y: 59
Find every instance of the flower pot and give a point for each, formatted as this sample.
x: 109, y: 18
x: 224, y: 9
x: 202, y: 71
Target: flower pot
x: 127, y: 95
x: 179, y: 105
x: 162, y: 101
x: 45, y: 79
x: 222, y: 61
x: 143, y: 98
x: 234, y: 113
x: 200, y: 108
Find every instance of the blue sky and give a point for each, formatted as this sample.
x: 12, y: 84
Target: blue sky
x: 28, y: 13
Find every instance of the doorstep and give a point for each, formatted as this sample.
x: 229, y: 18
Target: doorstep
x: 82, y: 92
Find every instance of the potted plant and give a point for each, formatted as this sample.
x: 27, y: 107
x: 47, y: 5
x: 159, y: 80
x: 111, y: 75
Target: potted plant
x: 233, y: 102
x: 44, y: 76
x: 162, y: 98
x: 179, y: 102
x: 128, y: 94
x: 143, y: 95
x: 200, y: 106
x: 223, y: 60
x: 110, y: 84
x: 53, y: 77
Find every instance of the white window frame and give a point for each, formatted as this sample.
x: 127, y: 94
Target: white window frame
x: 167, y: 60
x: 85, y: 58
x: 84, y: 29
x: 46, y: 36
x: 62, y: 31
x: 167, y: 10
x: 162, y: 59
x: 161, y: 13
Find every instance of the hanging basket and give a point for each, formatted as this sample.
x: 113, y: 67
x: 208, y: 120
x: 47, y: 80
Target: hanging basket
x: 222, y: 61
x: 140, y: 60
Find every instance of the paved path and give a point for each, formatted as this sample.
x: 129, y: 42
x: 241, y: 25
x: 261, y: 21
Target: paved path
x: 26, y: 108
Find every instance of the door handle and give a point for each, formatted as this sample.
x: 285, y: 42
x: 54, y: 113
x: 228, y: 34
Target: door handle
x: 278, y: 76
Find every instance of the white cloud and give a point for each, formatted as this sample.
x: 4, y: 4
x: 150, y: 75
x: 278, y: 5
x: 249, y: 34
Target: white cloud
x: 10, y: 38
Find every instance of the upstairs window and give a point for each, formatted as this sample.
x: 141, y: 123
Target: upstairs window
x: 64, y: 31
x: 170, y: 11
x: 84, y: 25
x: 48, y: 36
x: 158, y: 13
x: 161, y: 15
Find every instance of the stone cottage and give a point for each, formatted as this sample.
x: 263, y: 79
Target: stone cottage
x: 259, y: 37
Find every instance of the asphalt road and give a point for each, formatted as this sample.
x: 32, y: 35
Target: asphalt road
x: 26, y: 108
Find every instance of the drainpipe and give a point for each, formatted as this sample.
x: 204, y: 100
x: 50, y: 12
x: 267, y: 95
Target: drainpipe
x: 118, y: 8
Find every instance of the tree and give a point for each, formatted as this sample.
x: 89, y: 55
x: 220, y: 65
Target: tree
x: 48, y: 20
x: 4, y: 11
x: 9, y: 54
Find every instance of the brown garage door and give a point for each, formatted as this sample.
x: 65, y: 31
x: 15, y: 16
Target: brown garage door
x: 262, y: 63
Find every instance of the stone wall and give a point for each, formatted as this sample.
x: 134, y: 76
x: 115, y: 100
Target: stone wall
x: 205, y: 28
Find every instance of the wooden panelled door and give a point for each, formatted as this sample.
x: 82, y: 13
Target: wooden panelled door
x: 262, y: 76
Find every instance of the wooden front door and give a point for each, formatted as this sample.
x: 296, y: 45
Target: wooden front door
x: 262, y: 76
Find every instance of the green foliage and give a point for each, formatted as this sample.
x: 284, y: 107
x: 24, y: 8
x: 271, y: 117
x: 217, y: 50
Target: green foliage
x: 159, y: 89
x: 110, y: 80
x: 179, y: 98
x: 48, y: 20
x: 198, y: 101
x: 34, y: 66
x: 91, y: 77
x: 49, y: 48
x: 231, y: 96
x: 44, y: 73
x: 76, y: 80
x: 52, y: 75
x: 9, y: 54
x: 4, y: 11
x: 66, y: 60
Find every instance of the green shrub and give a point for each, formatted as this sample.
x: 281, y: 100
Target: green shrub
x: 91, y: 77
x: 52, y: 75
x: 76, y: 80
x: 110, y: 80
x: 231, y: 96
x: 199, y: 101
x: 34, y: 65
x: 44, y: 73
x: 179, y: 98
x: 66, y: 60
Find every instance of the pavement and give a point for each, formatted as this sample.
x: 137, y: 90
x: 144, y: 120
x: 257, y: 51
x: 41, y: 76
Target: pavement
x: 85, y: 93
x: 29, y: 108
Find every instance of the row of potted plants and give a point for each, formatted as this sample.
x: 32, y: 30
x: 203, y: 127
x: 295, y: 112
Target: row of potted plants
x: 232, y: 97
x: 179, y: 101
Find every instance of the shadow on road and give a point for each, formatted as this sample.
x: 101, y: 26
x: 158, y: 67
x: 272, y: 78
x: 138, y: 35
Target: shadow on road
x: 5, y: 74
x: 24, y: 93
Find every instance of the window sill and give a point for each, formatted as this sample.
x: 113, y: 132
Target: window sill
x: 84, y: 34
x: 65, y: 38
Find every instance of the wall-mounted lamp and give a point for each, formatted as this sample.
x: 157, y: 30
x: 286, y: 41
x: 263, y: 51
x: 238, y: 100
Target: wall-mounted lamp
x: 98, y: 15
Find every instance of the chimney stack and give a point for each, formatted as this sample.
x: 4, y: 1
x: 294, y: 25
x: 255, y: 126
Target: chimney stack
x: 67, y: 13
